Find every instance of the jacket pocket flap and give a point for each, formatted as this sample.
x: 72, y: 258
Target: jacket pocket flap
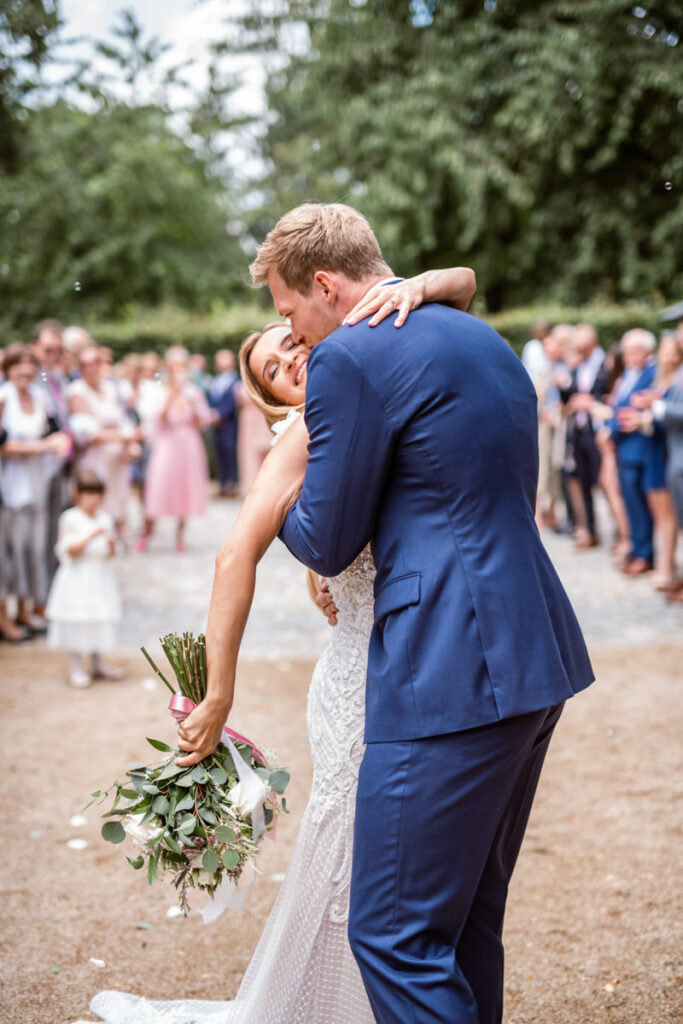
x: 396, y: 594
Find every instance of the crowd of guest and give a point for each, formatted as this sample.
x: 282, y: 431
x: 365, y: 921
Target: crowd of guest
x: 148, y: 424
x: 612, y: 421
x: 608, y: 420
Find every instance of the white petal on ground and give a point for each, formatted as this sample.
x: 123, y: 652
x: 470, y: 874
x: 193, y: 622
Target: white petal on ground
x: 96, y: 962
x: 174, y: 912
x: 77, y: 844
x: 78, y: 821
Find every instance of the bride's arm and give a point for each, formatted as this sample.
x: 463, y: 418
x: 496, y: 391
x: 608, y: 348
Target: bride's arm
x: 260, y: 519
x: 454, y: 286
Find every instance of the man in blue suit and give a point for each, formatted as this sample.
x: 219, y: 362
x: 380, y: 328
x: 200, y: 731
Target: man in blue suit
x: 424, y: 444
x: 222, y: 396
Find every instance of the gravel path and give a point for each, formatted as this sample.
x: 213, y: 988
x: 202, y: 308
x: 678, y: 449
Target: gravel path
x: 593, y: 932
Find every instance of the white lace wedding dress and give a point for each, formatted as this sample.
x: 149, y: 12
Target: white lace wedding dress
x: 303, y: 971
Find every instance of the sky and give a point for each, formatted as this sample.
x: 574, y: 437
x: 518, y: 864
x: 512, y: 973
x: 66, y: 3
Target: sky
x: 188, y: 26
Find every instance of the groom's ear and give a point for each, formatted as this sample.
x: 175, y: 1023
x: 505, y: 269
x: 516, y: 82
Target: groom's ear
x: 328, y: 285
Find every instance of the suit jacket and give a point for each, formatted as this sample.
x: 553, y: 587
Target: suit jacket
x: 424, y: 442
x: 222, y: 398
x: 635, y: 448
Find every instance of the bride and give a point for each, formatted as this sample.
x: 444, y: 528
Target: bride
x: 302, y: 971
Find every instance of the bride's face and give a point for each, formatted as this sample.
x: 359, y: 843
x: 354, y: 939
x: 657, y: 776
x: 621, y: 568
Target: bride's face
x: 280, y: 365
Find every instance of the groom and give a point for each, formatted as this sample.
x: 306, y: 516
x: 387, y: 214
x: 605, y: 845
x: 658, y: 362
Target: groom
x: 424, y: 443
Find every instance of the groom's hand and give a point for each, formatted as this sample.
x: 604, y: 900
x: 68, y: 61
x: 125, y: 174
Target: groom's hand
x: 200, y: 733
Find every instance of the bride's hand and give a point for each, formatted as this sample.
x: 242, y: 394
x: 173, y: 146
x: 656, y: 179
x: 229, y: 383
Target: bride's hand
x: 200, y: 733
x: 385, y: 299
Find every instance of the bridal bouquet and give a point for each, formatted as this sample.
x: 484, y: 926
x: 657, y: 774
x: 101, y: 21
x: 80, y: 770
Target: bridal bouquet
x: 200, y: 824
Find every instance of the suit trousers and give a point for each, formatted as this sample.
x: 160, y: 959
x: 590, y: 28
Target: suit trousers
x: 439, y: 824
x: 632, y: 483
x: 587, y: 459
x: 225, y: 447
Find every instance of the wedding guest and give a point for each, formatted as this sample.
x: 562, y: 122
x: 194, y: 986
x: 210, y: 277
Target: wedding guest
x: 9, y: 630
x: 49, y: 351
x: 551, y: 430
x: 177, y: 473
x: 106, y: 440
x: 223, y: 399
x: 533, y: 354
x: 586, y: 385
x: 74, y: 340
x: 198, y: 373
x: 602, y: 411
x: 84, y: 608
x: 641, y: 460
x: 660, y: 412
x: 253, y: 439
x: 26, y: 467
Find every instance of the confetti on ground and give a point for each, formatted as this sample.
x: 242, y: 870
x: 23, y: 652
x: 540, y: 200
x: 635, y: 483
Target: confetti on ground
x: 143, y: 926
x: 609, y: 987
x: 174, y: 912
x: 96, y: 962
x: 56, y: 970
x: 38, y: 833
x: 78, y: 821
x: 77, y: 844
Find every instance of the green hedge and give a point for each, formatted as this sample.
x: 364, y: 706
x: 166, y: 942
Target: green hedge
x: 226, y: 327
x: 157, y: 329
x: 611, y: 322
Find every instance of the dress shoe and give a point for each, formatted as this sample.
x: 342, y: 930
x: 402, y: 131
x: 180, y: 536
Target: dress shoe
x: 583, y: 543
x: 637, y: 566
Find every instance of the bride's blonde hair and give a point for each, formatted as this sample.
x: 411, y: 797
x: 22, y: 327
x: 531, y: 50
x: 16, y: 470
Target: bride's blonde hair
x: 270, y: 407
x: 262, y: 399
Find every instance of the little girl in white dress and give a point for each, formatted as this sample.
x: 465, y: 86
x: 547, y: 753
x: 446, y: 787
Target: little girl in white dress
x: 84, y: 607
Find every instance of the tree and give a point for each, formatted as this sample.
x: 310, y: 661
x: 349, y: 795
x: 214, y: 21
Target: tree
x: 118, y: 204
x: 534, y: 140
x: 26, y: 27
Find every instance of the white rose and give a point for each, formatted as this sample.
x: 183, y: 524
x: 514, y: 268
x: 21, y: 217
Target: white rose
x: 140, y: 834
x: 246, y: 796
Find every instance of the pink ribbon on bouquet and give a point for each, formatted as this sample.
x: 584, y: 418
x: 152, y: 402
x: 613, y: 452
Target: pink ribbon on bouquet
x: 180, y: 707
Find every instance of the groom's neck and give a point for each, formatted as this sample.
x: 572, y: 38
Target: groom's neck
x: 351, y: 292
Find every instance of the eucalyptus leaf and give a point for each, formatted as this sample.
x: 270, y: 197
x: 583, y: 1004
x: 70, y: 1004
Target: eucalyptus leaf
x: 113, y: 832
x: 210, y: 861
x: 169, y: 770
x: 136, y: 863
x: 135, y: 766
x: 218, y: 775
x: 129, y: 794
x: 152, y: 869
x: 279, y: 780
x: 171, y: 843
x: 159, y: 745
x: 208, y: 816
x: 185, y: 803
x: 231, y: 859
x: 199, y: 774
x: 224, y: 834
x: 188, y: 825
x: 149, y: 787
x: 161, y: 805
x: 185, y: 781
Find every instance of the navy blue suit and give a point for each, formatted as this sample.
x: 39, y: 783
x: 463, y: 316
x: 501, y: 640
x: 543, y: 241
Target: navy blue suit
x: 424, y: 443
x: 641, y: 461
x: 222, y: 398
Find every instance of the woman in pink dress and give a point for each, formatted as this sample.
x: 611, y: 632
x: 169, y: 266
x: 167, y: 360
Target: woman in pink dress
x: 177, y: 478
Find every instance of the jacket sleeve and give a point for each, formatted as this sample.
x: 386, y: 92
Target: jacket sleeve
x: 350, y: 451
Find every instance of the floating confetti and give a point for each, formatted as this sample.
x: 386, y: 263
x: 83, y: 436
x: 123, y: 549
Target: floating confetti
x: 77, y: 844
x: 78, y: 821
x: 149, y: 684
x: 174, y: 912
x: 96, y: 962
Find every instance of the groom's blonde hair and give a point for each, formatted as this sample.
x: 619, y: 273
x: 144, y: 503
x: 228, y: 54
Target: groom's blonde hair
x: 318, y: 236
